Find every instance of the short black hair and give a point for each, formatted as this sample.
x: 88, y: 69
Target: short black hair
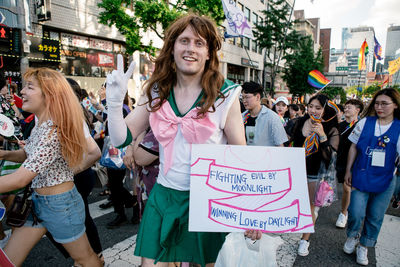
x: 357, y: 103
x: 252, y: 88
x: 295, y: 107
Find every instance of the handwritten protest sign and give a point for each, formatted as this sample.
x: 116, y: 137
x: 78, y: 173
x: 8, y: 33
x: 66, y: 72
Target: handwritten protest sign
x: 234, y: 188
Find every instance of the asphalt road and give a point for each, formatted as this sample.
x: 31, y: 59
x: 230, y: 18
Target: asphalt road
x: 325, y: 245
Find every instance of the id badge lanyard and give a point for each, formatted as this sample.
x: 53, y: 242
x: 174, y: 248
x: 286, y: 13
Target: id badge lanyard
x: 378, y: 154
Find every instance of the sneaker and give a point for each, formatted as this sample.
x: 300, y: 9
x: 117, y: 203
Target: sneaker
x: 4, y: 241
x: 106, y: 205
x: 362, y: 255
x: 341, y: 221
x: 303, y: 248
x: 350, y: 244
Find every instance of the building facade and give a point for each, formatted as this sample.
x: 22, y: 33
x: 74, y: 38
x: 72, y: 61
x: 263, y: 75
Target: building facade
x: 66, y: 35
x: 325, y: 44
x: 392, y: 44
x: 353, y: 38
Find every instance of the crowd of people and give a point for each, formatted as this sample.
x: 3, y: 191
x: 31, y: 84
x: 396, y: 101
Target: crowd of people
x: 65, y: 130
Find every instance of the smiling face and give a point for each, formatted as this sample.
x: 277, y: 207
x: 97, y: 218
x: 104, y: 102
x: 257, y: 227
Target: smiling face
x: 351, y: 111
x: 190, y: 53
x: 315, y: 108
x: 32, y: 97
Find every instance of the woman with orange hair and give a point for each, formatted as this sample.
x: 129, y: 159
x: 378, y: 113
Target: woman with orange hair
x: 54, y: 151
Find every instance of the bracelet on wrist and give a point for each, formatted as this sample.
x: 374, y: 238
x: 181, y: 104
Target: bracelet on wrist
x: 323, y: 138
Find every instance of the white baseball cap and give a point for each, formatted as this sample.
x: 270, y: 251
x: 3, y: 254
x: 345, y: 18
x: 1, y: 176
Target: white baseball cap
x: 281, y: 99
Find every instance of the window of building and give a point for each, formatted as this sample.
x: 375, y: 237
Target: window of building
x: 236, y: 73
x: 246, y: 43
x: 254, y: 19
x: 247, y: 13
x: 239, y: 41
x: 254, y: 46
x: 8, y: 3
x: 254, y: 75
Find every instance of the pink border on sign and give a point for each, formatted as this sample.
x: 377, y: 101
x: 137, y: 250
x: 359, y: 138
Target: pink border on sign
x: 212, y: 163
x: 293, y: 229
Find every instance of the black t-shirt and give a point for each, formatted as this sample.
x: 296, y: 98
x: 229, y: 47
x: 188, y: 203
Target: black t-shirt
x: 249, y: 129
x: 343, y: 150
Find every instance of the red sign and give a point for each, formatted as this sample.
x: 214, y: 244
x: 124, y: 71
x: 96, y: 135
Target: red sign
x: 106, y: 60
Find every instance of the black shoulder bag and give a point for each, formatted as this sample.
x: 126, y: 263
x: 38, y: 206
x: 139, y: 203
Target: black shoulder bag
x: 20, y: 209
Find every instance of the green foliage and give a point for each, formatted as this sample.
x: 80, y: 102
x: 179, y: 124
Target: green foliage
x: 152, y: 15
x: 351, y: 90
x: 332, y: 92
x: 370, y: 90
x: 272, y: 30
x: 299, y: 64
x: 275, y: 34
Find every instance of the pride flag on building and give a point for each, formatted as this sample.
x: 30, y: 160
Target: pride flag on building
x: 317, y: 79
x: 361, y: 56
x: 377, y: 49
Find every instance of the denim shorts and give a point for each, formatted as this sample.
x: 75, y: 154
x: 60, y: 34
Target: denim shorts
x: 63, y: 215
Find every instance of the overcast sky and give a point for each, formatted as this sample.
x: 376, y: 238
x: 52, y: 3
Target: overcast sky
x: 337, y: 14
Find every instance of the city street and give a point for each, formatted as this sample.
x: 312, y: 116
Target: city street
x: 325, y: 247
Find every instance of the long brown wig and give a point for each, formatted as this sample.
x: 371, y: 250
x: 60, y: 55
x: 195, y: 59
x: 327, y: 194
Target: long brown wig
x: 63, y: 108
x: 164, y: 76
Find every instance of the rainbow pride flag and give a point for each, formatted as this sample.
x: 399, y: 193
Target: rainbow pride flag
x: 361, y: 56
x: 317, y: 79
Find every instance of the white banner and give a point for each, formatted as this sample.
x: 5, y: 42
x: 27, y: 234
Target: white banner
x: 237, y: 25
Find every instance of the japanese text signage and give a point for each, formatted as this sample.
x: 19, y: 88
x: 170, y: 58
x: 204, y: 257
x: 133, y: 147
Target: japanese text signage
x: 85, y: 42
x: 44, y: 49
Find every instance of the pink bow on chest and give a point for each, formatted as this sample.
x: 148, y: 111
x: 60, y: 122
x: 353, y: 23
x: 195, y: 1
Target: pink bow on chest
x: 164, y: 124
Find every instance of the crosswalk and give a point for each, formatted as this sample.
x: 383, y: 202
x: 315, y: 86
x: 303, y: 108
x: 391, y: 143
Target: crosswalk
x: 387, y: 249
x: 120, y: 253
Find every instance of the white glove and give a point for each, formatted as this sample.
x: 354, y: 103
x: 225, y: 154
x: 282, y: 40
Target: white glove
x: 117, y: 86
x: 117, y: 83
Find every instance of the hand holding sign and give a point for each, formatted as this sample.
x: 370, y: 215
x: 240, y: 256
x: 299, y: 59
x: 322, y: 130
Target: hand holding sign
x: 6, y: 127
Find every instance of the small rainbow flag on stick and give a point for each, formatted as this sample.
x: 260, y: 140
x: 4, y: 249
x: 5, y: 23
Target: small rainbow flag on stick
x: 317, y: 79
